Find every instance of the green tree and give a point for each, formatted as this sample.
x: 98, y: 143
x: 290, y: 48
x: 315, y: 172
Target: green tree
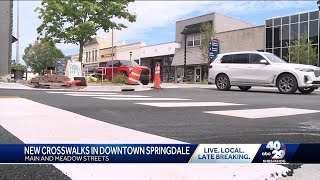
x: 41, y: 55
x: 302, y: 52
x: 76, y: 21
x: 206, y: 33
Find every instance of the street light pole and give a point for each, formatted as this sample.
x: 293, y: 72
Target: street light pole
x: 17, y: 45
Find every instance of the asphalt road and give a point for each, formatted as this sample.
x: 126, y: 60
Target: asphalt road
x: 187, y: 124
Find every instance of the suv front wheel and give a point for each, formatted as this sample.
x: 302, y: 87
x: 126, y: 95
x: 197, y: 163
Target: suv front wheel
x: 223, y: 82
x: 287, y: 84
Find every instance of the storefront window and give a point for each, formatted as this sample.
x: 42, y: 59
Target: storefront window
x: 269, y: 37
x: 303, y: 17
x: 316, y: 47
x: 285, y: 20
x: 269, y: 23
x: 294, y: 32
x: 285, y: 54
x: 277, y: 52
x: 277, y: 35
x: 304, y: 28
x: 313, y: 31
x: 294, y: 18
x: 168, y: 61
x: 314, y: 15
x: 285, y: 35
x: 269, y: 50
x: 277, y: 21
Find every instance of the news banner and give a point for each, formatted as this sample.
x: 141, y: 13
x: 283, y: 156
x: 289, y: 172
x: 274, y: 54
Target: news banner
x: 272, y: 152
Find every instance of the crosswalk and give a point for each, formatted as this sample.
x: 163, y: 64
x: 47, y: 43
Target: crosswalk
x: 173, y: 102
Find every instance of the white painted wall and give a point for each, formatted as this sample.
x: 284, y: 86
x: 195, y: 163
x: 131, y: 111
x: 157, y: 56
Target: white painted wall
x: 123, y: 52
x: 158, y: 50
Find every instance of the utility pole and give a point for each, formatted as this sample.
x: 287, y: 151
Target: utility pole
x: 18, y: 38
x: 112, y: 53
x: 185, y: 56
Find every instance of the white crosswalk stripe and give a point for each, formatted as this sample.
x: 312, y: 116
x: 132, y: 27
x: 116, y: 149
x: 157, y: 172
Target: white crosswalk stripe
x: 116, y: 96
x: 105, y: 95
x: 141, y: 99
x: 263, y: 113
x: 78, y: 92
x: 189, y: 104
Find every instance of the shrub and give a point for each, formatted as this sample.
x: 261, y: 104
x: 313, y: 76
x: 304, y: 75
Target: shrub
x: 205, y: 81
x: 119, y: 79
x: 91, y: 79
x: 19, y: 67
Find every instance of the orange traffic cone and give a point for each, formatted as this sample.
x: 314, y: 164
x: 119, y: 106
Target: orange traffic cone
x: 157, y: 76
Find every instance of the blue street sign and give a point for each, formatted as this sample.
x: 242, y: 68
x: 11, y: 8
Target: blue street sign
x: 214, y: 48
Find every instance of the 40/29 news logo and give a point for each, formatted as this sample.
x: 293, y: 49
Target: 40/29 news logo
x: 274, y: 152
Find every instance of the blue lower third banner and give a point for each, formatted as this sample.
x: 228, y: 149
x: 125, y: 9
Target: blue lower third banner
x: 272, y: 152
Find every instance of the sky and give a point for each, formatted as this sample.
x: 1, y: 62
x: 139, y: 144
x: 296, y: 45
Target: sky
x: 156, y: 20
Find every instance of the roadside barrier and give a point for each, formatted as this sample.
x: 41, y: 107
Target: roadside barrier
x: 134, y: 76
x: 157, y: 76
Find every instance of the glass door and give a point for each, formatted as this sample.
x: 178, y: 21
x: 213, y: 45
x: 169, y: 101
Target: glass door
x: 197, y: 74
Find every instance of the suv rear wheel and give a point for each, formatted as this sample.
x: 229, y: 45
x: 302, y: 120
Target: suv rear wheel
x: 223, y: 82
x: 306, y: 90
x: 287, y: 84
x: 244, y: 88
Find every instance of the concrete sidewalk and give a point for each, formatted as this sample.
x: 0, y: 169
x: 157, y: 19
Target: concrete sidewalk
x: 13, y: 86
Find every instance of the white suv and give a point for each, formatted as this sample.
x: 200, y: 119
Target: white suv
x: 253, y: 68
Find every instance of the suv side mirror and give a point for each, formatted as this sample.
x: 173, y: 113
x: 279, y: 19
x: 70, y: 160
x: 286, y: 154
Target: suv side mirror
x: 263, y: 61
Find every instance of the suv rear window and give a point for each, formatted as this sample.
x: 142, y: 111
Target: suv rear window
x: 226, y: 59
x: 236, y: 58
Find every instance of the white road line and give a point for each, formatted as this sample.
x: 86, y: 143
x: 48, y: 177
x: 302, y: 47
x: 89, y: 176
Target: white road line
x: 78, y: 92
x: 263, y: 113
x: 36, y: 123
x: 106, y: 95
x: 189, y: 104
x: 141, y: 99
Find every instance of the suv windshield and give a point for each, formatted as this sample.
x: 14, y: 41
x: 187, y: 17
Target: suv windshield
x: 273, y: 58
x: 129, y: 63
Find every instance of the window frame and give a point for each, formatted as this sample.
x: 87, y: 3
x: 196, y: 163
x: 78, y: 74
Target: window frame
x: 188, y: 40
x: 194, y: 39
